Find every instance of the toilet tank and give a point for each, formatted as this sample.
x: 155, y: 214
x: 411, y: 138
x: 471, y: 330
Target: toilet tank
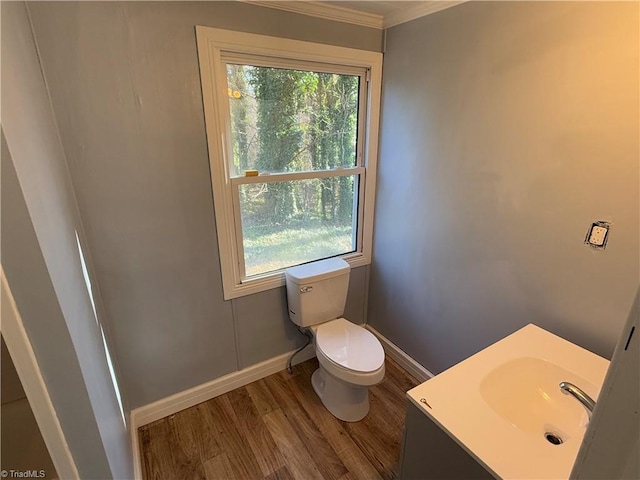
x: 317, y: 291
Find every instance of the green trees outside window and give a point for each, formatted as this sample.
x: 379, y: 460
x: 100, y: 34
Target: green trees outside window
x: 282, y: 121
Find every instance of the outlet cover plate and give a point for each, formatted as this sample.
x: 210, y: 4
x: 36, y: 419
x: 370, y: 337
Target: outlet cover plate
x: 598, y: 234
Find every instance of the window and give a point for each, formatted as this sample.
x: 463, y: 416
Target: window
x: 292, y: 135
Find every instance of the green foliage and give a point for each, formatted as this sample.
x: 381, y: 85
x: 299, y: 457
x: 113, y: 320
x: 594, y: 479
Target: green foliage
x: 269, y: 248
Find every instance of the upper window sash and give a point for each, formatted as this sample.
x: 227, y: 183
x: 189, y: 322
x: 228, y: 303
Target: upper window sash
x: 241, y: 79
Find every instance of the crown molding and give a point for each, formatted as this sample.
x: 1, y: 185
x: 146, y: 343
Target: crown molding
x: 323, y: 10
x: 427, y: 8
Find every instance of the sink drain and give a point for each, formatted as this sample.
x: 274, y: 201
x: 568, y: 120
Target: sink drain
x: 553, y: 438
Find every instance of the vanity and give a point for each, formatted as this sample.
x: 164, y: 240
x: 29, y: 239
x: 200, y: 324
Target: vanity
x: 501, y: 413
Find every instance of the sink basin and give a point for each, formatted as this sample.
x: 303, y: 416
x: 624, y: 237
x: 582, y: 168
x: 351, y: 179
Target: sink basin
x: 504, y: 405
x: 525, y: 392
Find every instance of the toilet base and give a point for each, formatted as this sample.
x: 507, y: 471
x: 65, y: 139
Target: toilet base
x: 346, y: 402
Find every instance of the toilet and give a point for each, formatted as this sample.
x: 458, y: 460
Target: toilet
x: 351, y: 358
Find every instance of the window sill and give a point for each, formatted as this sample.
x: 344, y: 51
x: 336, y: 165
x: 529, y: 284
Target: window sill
x: 277, y: 279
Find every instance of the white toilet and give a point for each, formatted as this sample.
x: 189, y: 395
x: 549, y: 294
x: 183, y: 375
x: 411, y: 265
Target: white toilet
x: 351, y: 358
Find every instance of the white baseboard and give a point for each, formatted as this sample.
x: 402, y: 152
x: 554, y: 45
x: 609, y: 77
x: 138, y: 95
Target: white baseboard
x: 401, y: 358
x: 206, y: 391
x: 201, y: 393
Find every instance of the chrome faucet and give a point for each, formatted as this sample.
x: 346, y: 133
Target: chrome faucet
x: 588, y: 402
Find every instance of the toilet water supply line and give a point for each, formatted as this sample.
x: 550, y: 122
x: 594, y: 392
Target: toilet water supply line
x: 307, y: 334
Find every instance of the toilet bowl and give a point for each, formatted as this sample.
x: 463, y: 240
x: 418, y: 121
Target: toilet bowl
x: 351, y: 358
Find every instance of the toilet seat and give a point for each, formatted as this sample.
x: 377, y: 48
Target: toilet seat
x: 349, y: 352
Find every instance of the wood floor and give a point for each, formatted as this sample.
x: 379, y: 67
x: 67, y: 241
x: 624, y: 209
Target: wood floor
x: 277, y: 428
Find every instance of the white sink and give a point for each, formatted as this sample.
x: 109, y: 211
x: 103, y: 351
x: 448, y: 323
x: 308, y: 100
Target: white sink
x: 525, y: 392
x: 502, y: 403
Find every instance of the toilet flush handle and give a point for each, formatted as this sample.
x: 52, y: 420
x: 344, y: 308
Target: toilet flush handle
x: 306, y: 289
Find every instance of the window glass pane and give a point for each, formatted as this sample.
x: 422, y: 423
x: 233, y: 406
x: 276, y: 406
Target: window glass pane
x: 286, y: 120
x: 297, y: 221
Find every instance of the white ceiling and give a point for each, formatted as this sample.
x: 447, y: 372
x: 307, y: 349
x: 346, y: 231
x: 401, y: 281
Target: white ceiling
x: 374, y: 14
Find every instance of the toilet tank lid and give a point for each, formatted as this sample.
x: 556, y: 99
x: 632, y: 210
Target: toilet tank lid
x: 316, y: 271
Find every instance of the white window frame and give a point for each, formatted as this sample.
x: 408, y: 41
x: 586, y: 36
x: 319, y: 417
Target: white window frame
x: 213, y: 46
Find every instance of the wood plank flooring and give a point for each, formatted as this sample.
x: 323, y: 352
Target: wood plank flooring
x: 277, y: 428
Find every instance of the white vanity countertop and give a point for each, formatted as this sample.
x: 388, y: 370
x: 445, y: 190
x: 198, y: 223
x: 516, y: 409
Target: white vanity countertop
x: 499, y: 403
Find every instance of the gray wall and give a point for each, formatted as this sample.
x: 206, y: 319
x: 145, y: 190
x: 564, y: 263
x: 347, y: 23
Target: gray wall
x: 44, y: 322
x: 125, y: 87
x: 507, y: 128
x: 41, y: 262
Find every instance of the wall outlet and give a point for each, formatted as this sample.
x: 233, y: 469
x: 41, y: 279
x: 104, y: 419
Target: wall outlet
x: 598, y: 234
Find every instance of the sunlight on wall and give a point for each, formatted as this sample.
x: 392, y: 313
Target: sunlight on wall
x: 104, y: 341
